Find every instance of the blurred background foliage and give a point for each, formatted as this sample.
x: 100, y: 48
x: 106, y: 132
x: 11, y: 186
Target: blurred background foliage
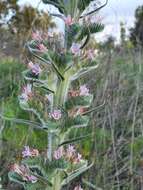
x: 117, y: 127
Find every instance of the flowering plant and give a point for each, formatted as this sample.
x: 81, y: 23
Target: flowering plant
x: 58, y: 107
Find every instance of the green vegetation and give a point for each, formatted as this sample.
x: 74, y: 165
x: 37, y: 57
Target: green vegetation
x: 113, y: 139
x: 116, y: 145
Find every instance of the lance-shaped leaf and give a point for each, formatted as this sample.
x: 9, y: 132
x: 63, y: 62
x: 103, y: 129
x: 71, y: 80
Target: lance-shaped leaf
x: 61, y: 60
x: 82, y: 4
x: 22, y: 121
x: 89, y: 29
x: 38, y: 185
x: 78, y: 121
x: 76, y: 174
x: 82, y: 72
x: 16, y: 178
x: 55, y: 3
x: 90, y: 185
x: 71, y: 33
x: 74, y: 140
x: 33, y: 162
x: 49, y: 61
x: 60, y: 164
x: 79, y: 101
x: 24, y: 105
x: 38, y: 82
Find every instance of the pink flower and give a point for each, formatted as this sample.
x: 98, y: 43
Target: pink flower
x: 34, y: 152
x: 36, y: 36
x: 68, y: 20
x: 24, y: 172
x: 75, y: 48
x: 50, y: 34
x: 90, y: 54
x: 27, y: 92
x: 79, y: 157
x: 70, y: 151
x: 35, y: 68
x: 58, y: 153
x: 42, y: 48
x: 18, y: 169
x: 78, y: 188
x: 84, y: 91
x: 73, y: 93
x: 56, y: 114
x: 26, y: 152
x: 32, y: 178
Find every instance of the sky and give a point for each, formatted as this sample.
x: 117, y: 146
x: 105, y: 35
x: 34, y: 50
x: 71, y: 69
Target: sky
x: 115, y: 12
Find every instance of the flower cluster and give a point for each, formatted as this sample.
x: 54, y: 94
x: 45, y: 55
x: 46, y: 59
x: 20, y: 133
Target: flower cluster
x: 37, y: 36
x: 40, y: 36
x: 90, y: 54
x: 70, y: 154
x: 83, y: 91
x: 24, y: 172
x: 68, y: 20
x: 77, y: 111
x: 26, y: 92
x: 35, y: 68
x: 42, y: 48
x: 56, y: 114
x: 75, y: 49
x: 28, y: 152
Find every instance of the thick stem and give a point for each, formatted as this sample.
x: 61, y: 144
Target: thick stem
x: 57, y: 183
x: 49, y: 150
x: 62, y: 91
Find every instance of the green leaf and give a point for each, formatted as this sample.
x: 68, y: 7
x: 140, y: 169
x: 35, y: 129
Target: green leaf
x: 82, y: 72
x: 79, y: 101
x: 78, y: 121
x: 16, y: 178
x: 55, y: 3
x: 70, y: 141
x: 90, y: 185
x: 61, y: 60
x: 89, y: 29
x: 32, y: 162
x: 35, y: 186
x: 76, y: 173
x: 82, y: 4
x: 71, y: 33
